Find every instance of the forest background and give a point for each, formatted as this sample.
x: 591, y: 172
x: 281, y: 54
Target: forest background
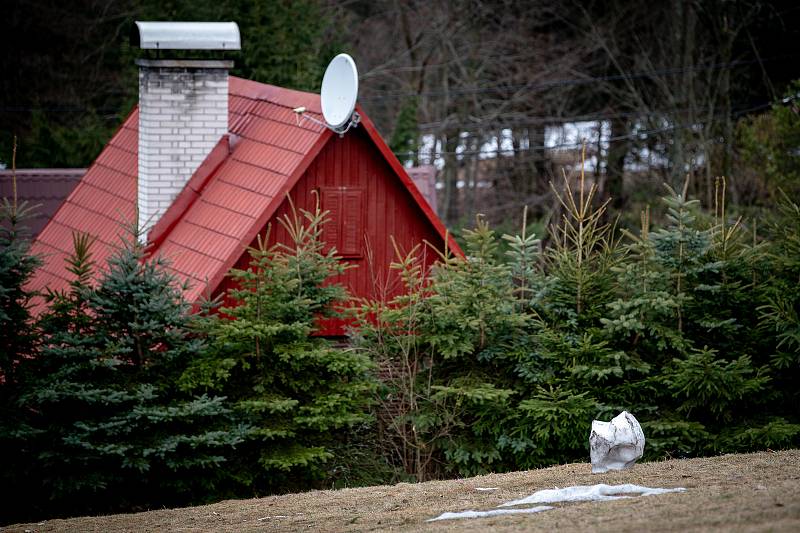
x: 498, y: 95
x: 602, y: 290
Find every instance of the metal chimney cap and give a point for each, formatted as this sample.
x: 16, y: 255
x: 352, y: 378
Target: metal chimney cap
x: 188, y: 36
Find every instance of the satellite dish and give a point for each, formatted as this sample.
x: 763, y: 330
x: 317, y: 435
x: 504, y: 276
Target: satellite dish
x: 339, y: 92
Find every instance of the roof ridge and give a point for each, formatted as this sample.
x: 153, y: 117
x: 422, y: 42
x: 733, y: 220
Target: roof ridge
x: 265, y: 92
x: 191, y: 191
x: 279, y: 104
x: 245, y: 81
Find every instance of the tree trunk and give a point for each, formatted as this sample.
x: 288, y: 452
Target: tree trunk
x: 615, y: 164
x: 537, y: 140
x: 450, y: 200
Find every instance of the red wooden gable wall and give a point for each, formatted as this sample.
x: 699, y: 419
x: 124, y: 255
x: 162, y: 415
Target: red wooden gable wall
x: 372, y: 203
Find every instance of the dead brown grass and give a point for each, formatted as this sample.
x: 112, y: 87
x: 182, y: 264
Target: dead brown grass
x: 749, y: 492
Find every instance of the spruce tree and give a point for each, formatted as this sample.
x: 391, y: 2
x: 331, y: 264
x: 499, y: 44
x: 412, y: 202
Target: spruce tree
x: 298, y: 394
x: 779, y: 318
x: 17, y: 265
x: 446, y: 347
x: 572, y: 374
x: 109, y: 429
x: 17, y: 337
x: 683, y: 308
x: 472, y: 333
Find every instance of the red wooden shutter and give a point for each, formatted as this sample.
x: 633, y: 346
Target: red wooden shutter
x: 352, y: 223
x: 331, y: 230
x: 345, y: 227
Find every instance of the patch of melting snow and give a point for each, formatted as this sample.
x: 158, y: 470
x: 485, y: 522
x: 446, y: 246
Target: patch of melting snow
x: 579, y: 493
x: 483, y: 514
x: 486, y: 489
x: 583, y: 493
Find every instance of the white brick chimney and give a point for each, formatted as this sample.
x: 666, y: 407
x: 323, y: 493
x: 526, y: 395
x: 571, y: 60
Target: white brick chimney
x: 183, y: 108
x: 183, y: 113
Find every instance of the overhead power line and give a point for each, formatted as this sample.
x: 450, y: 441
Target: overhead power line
x: 498, y: 124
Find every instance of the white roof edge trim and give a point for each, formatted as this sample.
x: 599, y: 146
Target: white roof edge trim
x: 189, y: 35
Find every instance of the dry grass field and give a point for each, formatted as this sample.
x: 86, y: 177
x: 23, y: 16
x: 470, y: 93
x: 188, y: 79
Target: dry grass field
x: 748, y: 492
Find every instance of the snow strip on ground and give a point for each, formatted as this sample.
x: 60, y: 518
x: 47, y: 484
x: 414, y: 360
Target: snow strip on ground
x: 582, y: 493
x: 482, y: 514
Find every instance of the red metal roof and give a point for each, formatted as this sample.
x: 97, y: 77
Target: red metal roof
x: 223, y: 206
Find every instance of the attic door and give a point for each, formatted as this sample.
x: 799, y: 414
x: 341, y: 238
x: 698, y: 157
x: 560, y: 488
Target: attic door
x: 345, y: 227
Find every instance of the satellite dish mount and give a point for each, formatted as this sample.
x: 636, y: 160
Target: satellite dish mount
x: 338, y: 96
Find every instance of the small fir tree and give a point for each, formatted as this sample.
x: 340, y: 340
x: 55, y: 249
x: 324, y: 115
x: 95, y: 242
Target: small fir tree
x: 18, y: 336
x: 299, y: 394
x: 474, y: 333
x: 445, y: 346
x: 109, y: 429
x: 781, y: 313
x: 17, y: 265
x: 572, y: 374
x: 779, y: 318
x: 683, y: 309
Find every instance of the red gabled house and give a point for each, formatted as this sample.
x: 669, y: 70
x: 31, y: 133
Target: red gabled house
x: 250, y: 151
